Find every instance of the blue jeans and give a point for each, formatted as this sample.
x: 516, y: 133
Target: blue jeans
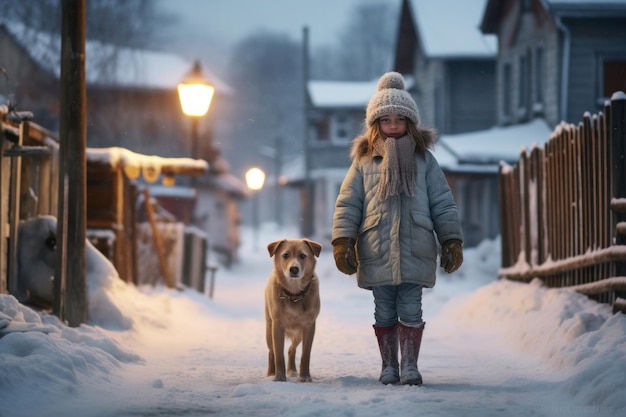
x: 397, y: 302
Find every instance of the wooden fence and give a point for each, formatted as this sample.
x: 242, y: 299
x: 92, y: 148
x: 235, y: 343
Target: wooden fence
x: 563, y: 208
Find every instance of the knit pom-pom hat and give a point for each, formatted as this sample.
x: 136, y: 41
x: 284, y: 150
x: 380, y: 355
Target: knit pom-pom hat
x: 391, y: 97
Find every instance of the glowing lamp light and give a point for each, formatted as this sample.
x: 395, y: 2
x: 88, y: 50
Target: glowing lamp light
x: 255, y: 178
x: 195, y: 93
x: 195, y: 99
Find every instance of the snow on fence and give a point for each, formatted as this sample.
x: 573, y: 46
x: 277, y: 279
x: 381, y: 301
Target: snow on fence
x: 563, y: 208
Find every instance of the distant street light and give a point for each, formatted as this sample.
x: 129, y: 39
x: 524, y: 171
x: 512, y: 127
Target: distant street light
x: 255, y: 178
x: 195, y: 95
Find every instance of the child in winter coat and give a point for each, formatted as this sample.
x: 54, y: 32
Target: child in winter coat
x: 394, y: 203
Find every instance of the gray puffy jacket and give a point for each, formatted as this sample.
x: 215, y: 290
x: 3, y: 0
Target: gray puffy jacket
x: 397, y: 238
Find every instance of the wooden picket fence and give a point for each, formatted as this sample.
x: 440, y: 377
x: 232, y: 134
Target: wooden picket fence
x: 563, y: 208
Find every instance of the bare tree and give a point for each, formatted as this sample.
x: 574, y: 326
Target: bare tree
x: 111, y: 25
x: 115, y: 22
x: 365, y: 47
x: 266, y: 71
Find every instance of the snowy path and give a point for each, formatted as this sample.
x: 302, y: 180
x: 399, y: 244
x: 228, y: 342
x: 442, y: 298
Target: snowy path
x: 221, y: 371
x: 487, y: 351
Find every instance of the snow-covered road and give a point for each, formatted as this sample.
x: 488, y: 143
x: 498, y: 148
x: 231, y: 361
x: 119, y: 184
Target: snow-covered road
x: 490, y: 349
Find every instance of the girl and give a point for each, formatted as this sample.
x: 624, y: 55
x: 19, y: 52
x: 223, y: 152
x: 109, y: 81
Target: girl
x: 392, y: 206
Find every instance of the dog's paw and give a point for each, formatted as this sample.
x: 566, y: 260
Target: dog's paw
x: 280, y: 378
x: 306, y: 379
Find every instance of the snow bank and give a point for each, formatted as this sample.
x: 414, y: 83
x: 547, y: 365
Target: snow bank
x: 569, y: 330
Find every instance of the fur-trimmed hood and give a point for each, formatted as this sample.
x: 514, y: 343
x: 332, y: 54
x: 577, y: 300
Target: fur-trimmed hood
x: 360, y: 147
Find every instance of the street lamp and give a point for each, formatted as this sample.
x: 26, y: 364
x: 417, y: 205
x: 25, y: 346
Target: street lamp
x: 195, y: 95
x: 255, y: 178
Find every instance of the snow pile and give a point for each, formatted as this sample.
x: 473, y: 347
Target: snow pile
x: 41, y: 355
x: 568, y: 329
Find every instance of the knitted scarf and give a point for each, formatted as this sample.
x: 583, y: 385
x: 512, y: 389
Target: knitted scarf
x: 398, y: 171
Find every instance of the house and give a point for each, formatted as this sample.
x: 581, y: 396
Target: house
x: 470, y: 162
x: 336, y: 115
x: 557, y: 59
x: 439, y: 43
x: 132, y: 102
x: 446, y: 63
x: 132, y: 97
x: 453, y: 66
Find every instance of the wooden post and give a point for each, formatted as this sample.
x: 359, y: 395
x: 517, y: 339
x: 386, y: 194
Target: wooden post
x: 71, y: 266
x: 14, y: 210
x: 618, y: 145
x: 212, y: 270
x: 618, y: 150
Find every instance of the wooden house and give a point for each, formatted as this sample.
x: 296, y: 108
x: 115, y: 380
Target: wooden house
x: 453, y: 67
x: 550, y: 60
x: 335, y: 117
x: 453, y: 63
x: 132, y: 103
x: 450, y: 77
x: 557, y: 59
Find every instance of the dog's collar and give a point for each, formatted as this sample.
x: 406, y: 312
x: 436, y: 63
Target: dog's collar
x: 294, y: 298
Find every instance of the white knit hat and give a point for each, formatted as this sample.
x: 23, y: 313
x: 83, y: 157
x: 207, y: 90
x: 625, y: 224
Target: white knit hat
x: 391, y: 97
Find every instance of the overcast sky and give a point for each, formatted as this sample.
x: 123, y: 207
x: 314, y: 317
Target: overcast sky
x: 208, y: 28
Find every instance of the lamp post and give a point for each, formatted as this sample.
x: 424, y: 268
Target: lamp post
x: 255, y: 178
x: 195, y: 95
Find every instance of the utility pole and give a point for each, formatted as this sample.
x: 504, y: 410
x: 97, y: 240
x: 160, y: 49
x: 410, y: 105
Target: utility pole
x: 70, y: 288
x: 306, y: 221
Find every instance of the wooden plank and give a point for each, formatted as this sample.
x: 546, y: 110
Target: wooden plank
x: 156, y: 238
x: 14, y: 214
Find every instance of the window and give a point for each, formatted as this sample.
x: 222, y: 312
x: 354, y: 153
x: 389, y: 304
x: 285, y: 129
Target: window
x: 341, y: 128
x: 613, y: 77
x: 319, y: 127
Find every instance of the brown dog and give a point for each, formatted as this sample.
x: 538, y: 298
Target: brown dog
x: 292, y: 303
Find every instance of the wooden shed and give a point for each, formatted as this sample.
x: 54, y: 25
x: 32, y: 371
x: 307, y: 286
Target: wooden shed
x: 117, y: 184
x: 28, y: 183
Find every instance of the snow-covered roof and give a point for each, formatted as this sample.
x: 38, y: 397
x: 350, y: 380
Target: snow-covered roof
x: 482, y: 150
x: 330, y: 94
x: 450, y: 28
x: 345, y: 94
x: 132, y: 68
x: 149, y: 166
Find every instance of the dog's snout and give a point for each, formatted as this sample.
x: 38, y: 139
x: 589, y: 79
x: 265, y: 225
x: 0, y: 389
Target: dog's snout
x: 294, y: 270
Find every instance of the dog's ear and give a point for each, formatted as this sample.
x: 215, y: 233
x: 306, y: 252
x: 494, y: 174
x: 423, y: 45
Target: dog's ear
x: 273, y: 247
x: 315, y: 247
